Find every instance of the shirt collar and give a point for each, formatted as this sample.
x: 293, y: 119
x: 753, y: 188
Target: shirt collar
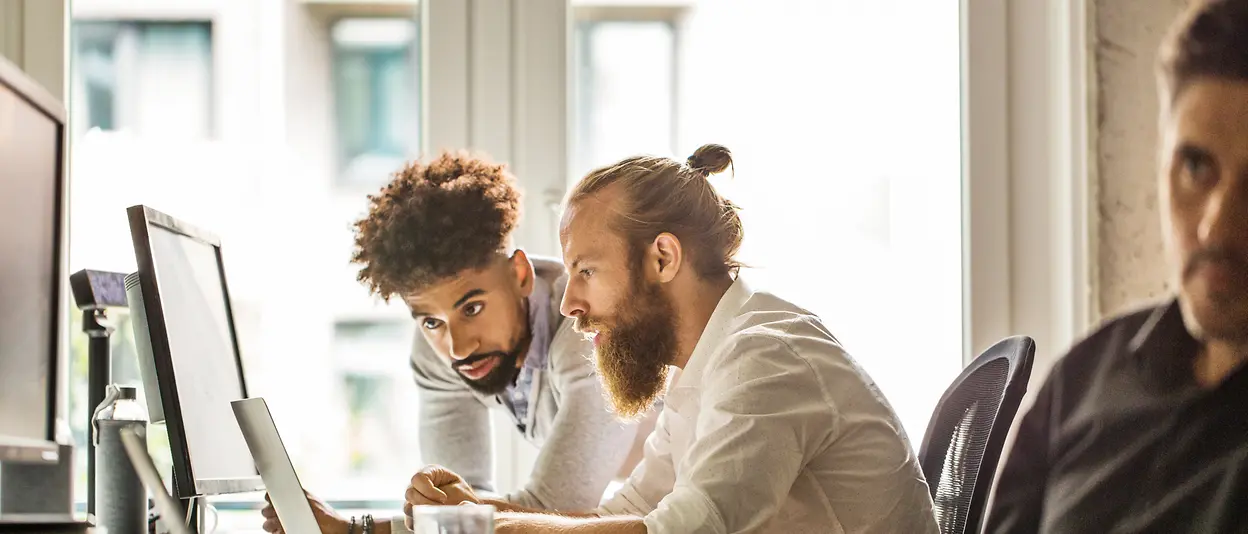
x: 716, y: 328
x: 1163, y: 348
x: 539, y: 324
x: 1163, y: 333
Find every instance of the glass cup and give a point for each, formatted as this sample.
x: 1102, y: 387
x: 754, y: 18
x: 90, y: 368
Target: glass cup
x: 461, y: 519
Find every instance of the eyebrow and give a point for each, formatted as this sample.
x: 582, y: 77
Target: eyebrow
x: 418, y: 313
x: 1189, y: 149
x: 468, y: 295
x: 583, y: 258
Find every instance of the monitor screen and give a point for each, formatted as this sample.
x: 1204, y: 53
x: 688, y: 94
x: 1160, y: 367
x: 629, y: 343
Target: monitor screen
x: 29, y: 267
x: 202, y: 353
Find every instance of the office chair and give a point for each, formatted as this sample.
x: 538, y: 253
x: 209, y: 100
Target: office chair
x: 967, y: 432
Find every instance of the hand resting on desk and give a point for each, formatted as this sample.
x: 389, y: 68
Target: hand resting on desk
x: 437, y: 486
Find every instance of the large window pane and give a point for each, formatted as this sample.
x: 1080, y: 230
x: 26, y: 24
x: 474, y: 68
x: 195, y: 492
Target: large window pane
x: 148, y: 78
x: 376, y: 91
x: 843, y: 118
x: 625, y: 89
x: 262, y: 166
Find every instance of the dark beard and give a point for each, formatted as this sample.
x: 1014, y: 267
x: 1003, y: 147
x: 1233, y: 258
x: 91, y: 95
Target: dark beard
x: 503, y: 375
x: 632, y: 361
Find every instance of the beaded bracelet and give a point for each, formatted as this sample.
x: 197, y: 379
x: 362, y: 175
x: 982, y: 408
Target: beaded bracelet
x: 351, y: 527
x: 368, y: 524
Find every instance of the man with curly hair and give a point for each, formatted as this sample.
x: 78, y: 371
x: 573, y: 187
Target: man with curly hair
x: 490, y: 336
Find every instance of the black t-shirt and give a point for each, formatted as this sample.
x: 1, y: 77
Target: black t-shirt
x: 1121, y: 439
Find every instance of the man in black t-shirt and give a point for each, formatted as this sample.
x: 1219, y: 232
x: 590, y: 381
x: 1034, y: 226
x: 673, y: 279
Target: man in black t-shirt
x: 1143, y: 426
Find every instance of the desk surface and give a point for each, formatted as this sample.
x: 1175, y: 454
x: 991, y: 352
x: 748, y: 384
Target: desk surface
x: 249, y: 521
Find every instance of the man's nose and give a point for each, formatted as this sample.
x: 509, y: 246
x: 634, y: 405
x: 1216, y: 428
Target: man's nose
x: 571, y: 305
x: 1224, y: 223
x: 463, y: 344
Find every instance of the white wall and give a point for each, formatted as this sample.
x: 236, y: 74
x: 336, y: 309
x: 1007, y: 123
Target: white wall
x: 32, y: 36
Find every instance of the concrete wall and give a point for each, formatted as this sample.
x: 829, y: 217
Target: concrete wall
x: 1132, y: 266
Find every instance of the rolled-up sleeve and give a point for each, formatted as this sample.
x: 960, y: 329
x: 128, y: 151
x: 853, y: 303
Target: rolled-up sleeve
x: 763, y: 415
x: 650, y: 481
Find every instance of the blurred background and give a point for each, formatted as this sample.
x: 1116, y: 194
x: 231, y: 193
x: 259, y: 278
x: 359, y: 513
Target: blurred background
x: 269, y: 121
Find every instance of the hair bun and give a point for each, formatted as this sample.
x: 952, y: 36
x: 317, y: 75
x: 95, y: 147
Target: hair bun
x: 710, y: 159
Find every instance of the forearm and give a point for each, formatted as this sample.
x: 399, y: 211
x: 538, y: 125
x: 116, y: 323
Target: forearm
x: 382, y: 526
x: 510, y: 507
x: 524, y: 523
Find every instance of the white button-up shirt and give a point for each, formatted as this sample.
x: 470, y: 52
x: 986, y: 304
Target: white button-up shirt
x: 771, y: 427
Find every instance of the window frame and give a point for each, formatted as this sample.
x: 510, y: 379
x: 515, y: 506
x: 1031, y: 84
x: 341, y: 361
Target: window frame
x: 1028, y: 128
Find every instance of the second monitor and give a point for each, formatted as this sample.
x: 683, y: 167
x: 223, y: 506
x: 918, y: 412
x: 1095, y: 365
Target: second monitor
x: 186, y: 339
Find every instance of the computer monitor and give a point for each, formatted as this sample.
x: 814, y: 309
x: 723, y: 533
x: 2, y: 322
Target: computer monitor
x: 32, y: 266
x: 189, y: 327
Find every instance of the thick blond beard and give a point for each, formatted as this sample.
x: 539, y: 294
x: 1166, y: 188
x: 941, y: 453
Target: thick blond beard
x: 633, y: 361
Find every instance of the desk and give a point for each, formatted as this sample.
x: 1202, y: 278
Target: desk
x: 249, y: 521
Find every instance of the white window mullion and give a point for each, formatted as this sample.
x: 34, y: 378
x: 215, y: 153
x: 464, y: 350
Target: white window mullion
x: 541, y: 103
x: 444, y: 46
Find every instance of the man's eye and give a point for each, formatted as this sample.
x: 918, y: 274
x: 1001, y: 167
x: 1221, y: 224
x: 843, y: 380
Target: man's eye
x: 587, y: 272
x: 431, y: 324
x: 1198, y: 168
x: 474, y: 308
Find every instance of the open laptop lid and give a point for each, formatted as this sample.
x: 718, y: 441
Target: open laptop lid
x: 170, y: 510
x: 285, y: 492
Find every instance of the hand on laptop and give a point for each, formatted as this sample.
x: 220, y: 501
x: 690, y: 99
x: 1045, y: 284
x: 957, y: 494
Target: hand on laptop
x: 329, y: 520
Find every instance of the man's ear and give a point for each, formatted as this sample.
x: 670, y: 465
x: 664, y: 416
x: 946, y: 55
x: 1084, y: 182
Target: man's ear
x: 522, y: 268
x: 667, y: 257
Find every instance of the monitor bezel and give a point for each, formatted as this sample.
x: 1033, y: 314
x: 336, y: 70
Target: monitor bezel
x: 185, y: 483
x: 14, y: 449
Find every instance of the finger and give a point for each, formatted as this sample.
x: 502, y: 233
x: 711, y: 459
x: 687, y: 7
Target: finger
x: 407, y: 509
x: 268, y: 512
x: 416, y: 498
x: 425, y: 486
x: 272, y: 525
x: 438, y: 475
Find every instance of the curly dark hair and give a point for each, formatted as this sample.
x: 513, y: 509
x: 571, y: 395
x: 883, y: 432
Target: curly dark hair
x: 433, y: 221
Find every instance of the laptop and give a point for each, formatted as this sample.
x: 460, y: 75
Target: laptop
x: 170, y: 510
x: 285, y: 492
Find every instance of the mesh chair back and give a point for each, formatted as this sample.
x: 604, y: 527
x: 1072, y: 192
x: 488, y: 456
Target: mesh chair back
x: 967, y: 432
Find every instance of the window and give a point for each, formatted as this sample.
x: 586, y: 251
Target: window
x: 625, y: 90
x: 149, y: 78
x: 376, y: 91
x: 381, y: 424
x: 846, y: 144
x: 260, y: 168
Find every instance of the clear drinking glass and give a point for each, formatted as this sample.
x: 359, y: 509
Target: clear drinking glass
x: 461, y: 519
